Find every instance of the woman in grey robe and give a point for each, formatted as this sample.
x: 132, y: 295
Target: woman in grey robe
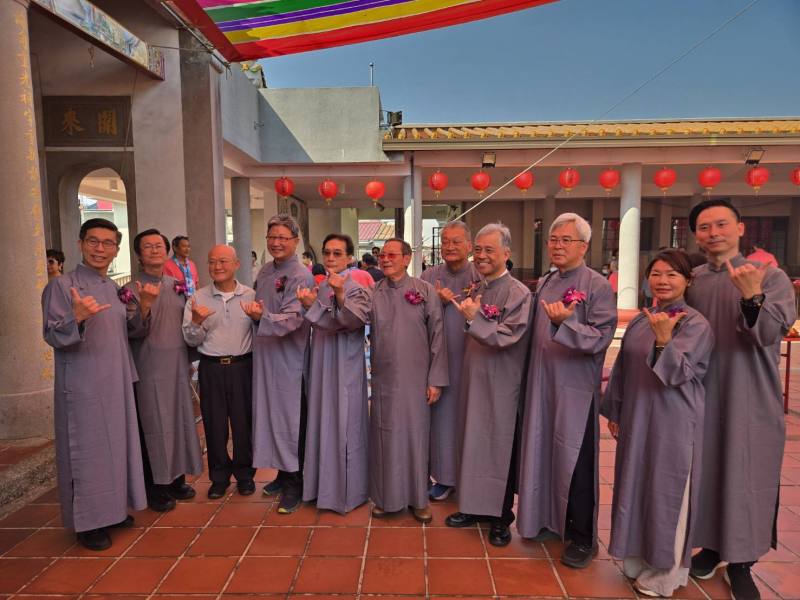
x: 655, y: 403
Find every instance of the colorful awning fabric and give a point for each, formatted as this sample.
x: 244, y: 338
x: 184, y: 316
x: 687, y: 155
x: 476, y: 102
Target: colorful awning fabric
x: 246, y: 30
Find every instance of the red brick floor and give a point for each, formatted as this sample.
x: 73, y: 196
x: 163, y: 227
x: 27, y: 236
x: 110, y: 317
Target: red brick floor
x: 240, y: 546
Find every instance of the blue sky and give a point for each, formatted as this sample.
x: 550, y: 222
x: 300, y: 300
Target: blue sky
x: 574, y: 59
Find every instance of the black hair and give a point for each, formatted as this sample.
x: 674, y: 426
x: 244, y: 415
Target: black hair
x: 176, y: 241
x: 137, y: 241
x: 58, y: 255
x: 405, y: 245
x: 308, y: 255
x: 369, y: 259
x: 711, y: 203
x: 99, y: 224
x: 348, y: 242
x: 677, y: 259
x: 317, y: 269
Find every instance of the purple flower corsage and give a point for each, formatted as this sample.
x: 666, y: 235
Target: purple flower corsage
x: 280, y: 284
x: 573, y: 295
x: 414, y: 297
x: 674, y: 311
x: 180, y: 288
x: 125, y: 295
x: 491, y: 312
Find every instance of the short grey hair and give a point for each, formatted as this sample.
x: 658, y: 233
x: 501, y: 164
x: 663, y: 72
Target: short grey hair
x: 458, y: 225
x: 505, y: 234
x: 581, y: 224
x: 286, y: 221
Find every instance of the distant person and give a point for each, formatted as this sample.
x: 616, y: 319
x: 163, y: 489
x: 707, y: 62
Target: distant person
x: 180, y: 267
x: 360, y: 276
x: 318, y: 271
x: 760, y: 254
x: 308, y: 260
x: 371, y: 267
x: 55, y: 263
x: 613, y: 276
x: 375, y: 252
x: 254, y: 263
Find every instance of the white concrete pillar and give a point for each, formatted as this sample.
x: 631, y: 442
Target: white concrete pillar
x: 630, y: 210
x: 412, y: 218
x: 240, y: 217
x: 26, y: 368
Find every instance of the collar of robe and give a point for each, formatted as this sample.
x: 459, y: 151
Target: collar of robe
x: 144, y: 276
x: 283, y: 265
x: 494, y: 281
x: 736, y: 261
x: 457, y: 271
x: 399, y: 283
x: 571, y: 272
x: 678, y: 303
x: 83, y: 271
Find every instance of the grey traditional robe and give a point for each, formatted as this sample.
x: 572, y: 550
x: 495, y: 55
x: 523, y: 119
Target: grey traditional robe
x: 335, y: 465
x: 491, y: 387
x: 98, y: 455
x: 444, y: 414
x: 163, y: 391
x: 659, y: 407
x: 744, y: 425
x: 280, y: 355
x: 408, y: 354
x: 563, y: 384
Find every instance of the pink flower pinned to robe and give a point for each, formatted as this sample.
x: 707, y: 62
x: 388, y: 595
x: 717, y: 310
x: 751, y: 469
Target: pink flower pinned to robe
x: 280, y: 284
x: 491, y: 312
x: 573, y: 295
x: 414, y: 297
x: 180, y: 288
x: 125, y: 295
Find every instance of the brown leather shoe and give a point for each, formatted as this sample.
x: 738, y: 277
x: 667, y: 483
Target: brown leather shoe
x: 378, y: 512
x: 423, y: 515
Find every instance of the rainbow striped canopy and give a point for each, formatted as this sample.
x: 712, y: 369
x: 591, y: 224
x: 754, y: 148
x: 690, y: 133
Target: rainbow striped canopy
x: 250, y: 29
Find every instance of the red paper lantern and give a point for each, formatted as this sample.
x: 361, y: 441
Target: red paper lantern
x: 796, y: 176
x: 284, y: 187
x: 756, y: 177
x: 524, y: 181
x: 480, y: 181
x: 569, y: 178
x: 328, y: 190
x: 437, y: 182
x: 375, y: 190
x: 709, y: 178
x: 664, y: 178
x: 609, y: 179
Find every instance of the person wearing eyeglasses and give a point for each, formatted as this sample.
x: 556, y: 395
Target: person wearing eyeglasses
x: 215, y: 322
x: 55, y: 263
x: 575, y: 316
x: 180, y: 267
x: 280, y: 352
x: 335, y: 465
x: 170, y: 446
x: 98, y: 456
x: 409, y: 369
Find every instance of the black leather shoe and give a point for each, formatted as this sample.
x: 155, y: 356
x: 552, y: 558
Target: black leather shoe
x: 218, y: 489
x: 124, y: 524
x: 179, y: 490
x: 460, y: 519
x: 95, y: 539
x: 160, y: 502
x: 246, y: 487
x: 499, y: 535
x: 545, y: 534
x: 578, y: 556
x: 705, y: 563
x: 738, y: 576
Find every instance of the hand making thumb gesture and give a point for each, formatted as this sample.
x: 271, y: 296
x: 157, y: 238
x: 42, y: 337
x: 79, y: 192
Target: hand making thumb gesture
x: 83, y: 308
x: 663, y: 324
x: 199, y: 312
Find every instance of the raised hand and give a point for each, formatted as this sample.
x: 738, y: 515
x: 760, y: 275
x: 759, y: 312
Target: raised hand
x: 558, y: 312
x: 446, y: 295
x: 83, y: 308
x: 747, y: 278
x: 200, y: 313
x: 662, y: 325
x: 336, y: 282
x: 254, y: 309
x: 432, y: 394
x: 148, y: 294
x: 468, y: 307
x: 307, y: 296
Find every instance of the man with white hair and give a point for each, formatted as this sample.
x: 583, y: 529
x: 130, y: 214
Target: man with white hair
x: 574, y: 321
x: 497, y: 315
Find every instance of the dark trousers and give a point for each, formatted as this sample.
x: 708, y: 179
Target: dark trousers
x: 296, y: 478
x: 226, y: 397
x: 580, y: 505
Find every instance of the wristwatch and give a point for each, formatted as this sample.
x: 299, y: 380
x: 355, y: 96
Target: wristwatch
x: 754, y: 302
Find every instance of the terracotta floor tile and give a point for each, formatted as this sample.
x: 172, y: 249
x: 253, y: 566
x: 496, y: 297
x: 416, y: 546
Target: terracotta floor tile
x: 441, y: 510
x: 45, y: 543
x: 449, y: 576
x: 518, y: 548
x: 358, y: 517
x: 222, y: 541
x: 328, y: 576
x: 16, y: 572
x: 394, y: 576
x: 201, y: 575
x: 405, y: 541
x: 331, y: 597
x: 781, y: 554
x: 61, y: 597
x: 403, y: 518
x: 790, y: 495
x: 184, y: 597
x: 163, y: 542
x: 133, y: 576
x: 788, y: 520
x: 601, y: 579
x: 533, y: 577
x: 11, y: 537
x: 448, y: 542
x: 201, y: 487
x: 189, y: 515
x: 606, y: 459
x: 607, y: 474
x: 280, y: 541
x: 49, y: 497
x: 265, y: 475
x: 121, y: 539
x: 146, y: 517
x: 239, y: 514
x: 790, y: 539
x: 717, y: 589
x: 32, y: 515
x: 305, y: 515
x: 68, y: 575
x: 337, y: 541
x: 691, y: 591
x: 263, y: 575
x: 604, y: 517
x: 783, y: 578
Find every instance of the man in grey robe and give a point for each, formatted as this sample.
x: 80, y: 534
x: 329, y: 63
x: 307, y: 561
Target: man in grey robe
x: 496, y: 316
x: 750, y: 307
x: 335, y: 460
x: 98, y: 455
x: 170, y: 445
x: 280, y: 357
x: 409, y: 368
x: 454, y: 279
x: 575, y: 316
